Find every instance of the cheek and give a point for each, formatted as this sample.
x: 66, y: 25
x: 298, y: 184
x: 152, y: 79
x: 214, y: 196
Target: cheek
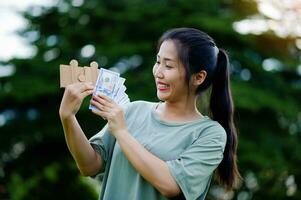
x: 181, y: 83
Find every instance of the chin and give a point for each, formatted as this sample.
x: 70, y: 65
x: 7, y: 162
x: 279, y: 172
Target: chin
x: 162, y: 97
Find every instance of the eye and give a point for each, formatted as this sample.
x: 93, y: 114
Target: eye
x: 168, y: 66
x: 158, y: 62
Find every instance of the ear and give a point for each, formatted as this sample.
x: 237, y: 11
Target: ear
x: 198, y: 78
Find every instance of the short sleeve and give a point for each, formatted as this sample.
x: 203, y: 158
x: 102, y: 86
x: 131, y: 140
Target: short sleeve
x: 101, y: 144
x: 193, y: 169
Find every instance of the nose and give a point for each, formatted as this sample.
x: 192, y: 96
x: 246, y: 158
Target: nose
x: 158, y: 72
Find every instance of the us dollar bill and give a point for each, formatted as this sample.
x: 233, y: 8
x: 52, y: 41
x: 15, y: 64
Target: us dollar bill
x: 106, y: 82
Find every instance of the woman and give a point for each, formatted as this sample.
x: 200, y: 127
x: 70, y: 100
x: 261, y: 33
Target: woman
x: 167, y: 149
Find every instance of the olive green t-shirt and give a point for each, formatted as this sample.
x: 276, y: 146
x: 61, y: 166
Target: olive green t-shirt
x: 191, y: 150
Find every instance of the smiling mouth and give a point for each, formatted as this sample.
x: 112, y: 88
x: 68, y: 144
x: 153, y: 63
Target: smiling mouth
x: 162, y: 87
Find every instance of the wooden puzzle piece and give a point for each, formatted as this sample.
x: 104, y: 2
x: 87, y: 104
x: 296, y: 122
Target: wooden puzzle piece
x: 73, y: 73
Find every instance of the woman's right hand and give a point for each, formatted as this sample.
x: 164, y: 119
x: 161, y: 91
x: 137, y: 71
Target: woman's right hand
x: 73, y: 98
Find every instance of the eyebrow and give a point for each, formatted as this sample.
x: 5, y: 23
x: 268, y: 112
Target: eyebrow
x: 167, y: 59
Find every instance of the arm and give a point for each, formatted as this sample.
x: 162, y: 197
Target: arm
x: 152, y: 168
x: 88, y: 161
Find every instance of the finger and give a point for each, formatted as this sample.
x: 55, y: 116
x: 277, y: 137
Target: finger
x: 80, y: 84
x: 106, y: 98
x: 103, y: 101
x: 99, y: 105
x: 108, y: 101
x: 86, y: 86
x: 100, y: 113
x: 86, y: 93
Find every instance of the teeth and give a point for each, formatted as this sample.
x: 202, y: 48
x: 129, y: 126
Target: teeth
x: 162, y: 86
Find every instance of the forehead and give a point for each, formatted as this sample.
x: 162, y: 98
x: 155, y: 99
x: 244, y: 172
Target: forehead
x: 168, y: 50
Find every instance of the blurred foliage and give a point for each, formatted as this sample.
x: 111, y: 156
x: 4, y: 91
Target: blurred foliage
x: 35, y: 162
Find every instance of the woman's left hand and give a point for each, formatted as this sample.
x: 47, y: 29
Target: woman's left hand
x: 111, y: 111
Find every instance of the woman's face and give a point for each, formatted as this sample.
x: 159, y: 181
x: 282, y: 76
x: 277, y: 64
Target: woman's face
x: 169, y: 74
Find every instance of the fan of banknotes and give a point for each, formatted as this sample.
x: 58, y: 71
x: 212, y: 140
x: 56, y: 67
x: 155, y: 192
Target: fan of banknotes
x: 112, y: 85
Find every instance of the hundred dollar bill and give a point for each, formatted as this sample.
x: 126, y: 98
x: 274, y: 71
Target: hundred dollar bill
x: 106, y: 83
x: 120, y: 93
x: 124, y: 100
x: 118, y: 87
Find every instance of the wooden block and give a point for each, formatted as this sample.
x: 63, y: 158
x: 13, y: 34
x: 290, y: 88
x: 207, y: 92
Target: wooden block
x: 87, y: 74
x: 94, y: 71
x: 65, y: 76
x: 73, y: 66
x: 73, y: 73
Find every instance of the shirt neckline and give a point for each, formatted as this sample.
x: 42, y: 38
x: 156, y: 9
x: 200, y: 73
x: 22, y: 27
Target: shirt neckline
x: 171, y: 123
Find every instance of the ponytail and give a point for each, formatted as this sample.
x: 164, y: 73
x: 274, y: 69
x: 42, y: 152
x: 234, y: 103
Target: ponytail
x: 221, y: 107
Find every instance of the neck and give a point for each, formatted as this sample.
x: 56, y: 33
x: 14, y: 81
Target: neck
x: 180, y: 110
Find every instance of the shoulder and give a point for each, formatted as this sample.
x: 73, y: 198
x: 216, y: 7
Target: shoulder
x: 214, y: 131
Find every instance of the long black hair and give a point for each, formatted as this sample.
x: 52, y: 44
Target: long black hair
x: 197, y: 51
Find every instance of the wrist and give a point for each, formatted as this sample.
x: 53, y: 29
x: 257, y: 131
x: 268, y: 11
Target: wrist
x: 65, y: 116
x: 121, y: 134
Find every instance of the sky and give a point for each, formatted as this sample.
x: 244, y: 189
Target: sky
x: 283, y: 17
x: 11, y: 21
